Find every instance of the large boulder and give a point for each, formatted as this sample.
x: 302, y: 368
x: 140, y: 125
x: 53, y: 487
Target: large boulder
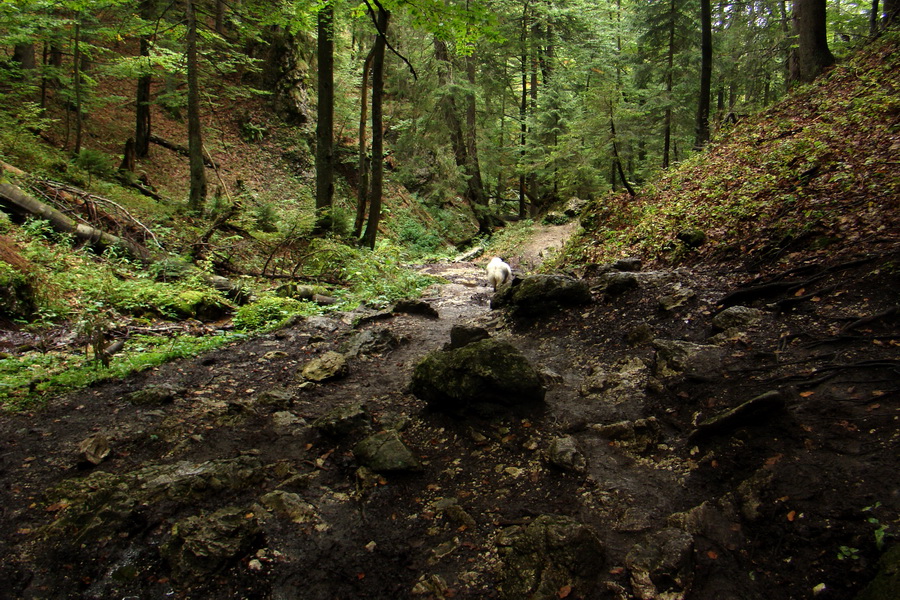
x: 483, y: 372
x: 539, y: 294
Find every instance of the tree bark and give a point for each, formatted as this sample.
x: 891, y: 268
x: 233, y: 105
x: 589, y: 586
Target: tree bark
x: 195, y: 136
x: 325, y: 119
x: 891, y: 11
x: 362, y: 191
x: 448, y: 105
x: 670, y: 64
x: 702, y: 133
x: 473, y: 171
x: 377, y: 131
x: 23, y: 55
x: 142, y: 95
x: 812, y: 56
x: 76, y: 82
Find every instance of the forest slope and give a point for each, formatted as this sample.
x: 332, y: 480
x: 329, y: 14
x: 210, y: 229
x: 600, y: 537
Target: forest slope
x: 815, y: 174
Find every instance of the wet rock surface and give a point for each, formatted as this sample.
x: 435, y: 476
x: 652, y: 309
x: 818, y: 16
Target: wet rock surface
x: 671, y: 456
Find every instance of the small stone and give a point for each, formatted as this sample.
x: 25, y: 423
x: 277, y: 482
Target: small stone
x: 94, y: 449
x: 330, y: 365
x: 385, y: 451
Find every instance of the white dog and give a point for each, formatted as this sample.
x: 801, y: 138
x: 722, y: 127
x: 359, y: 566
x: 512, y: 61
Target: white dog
x: 498, y: 272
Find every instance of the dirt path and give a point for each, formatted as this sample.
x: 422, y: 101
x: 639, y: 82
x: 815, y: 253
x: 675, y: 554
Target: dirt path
x: 229, y: 485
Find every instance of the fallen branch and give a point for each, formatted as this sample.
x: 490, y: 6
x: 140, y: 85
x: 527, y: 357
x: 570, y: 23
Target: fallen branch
x: 182, y: 150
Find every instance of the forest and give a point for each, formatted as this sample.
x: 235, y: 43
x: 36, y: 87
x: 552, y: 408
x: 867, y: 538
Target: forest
x: 257, y: 339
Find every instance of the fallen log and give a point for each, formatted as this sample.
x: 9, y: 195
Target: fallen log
x: 22, y: 203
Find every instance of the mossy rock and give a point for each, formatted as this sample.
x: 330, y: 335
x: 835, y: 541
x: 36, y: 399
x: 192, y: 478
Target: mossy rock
x: 886, y: 584
x: 483, y: 372
x: 553, y: 553
x: 541, y: 294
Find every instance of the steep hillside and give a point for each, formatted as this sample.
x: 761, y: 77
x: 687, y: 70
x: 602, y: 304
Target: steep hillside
x: 816, y: 174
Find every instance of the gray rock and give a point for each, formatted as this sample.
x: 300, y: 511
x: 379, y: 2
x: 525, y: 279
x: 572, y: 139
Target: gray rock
x: 616, y: 284
x: 289, y: 505
x: 484, y: 372
x: 574, y: 206
x: 384, y: 452
x: 641, y: 334
x: 279, y: 398
x: 470, y: 255
x: 322, y: 323
x: 678, y: 298
x: 331, y: 365
x: 205, y: 544
x: 737, y: 317
x: 552, y: 553
x: 695, y: 361
x: 416, y: 307
x: 564, y: 453
x: 627, y: 264
x: 637, y: 435
x: 370, y: 341
x: 463, y: 335
x: 540, y: 294
x: 94, y: 449
x: 661, y: 562
x: 344, y: 420
x: 154, y: 395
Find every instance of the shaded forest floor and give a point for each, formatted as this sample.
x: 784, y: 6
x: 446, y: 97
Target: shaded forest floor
x: 788, y: 499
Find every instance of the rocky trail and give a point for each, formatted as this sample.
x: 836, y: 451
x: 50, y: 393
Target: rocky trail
x: 703, y: 433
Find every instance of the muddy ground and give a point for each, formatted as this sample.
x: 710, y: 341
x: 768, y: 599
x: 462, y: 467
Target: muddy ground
x: 793, y: 499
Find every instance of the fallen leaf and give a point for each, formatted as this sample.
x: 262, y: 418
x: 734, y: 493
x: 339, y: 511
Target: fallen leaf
x: 800, y: 292
x: 806, y: 394
x: 791, y: 515
x: 61, y: 505
x: 772, y: 460
x: 712, y: 554
x: 564, y: 591
x: 360, y: 575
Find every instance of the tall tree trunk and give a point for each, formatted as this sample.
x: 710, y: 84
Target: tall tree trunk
x: 873, y: 18
x: 891, y: 11
x: 76, y: 81
x: 448, y: 105
x: 377, y: 131
x: 142, y: 112
x: 473, y: 170
x: 195, y: 136
x: 325, y: 119
x: 812, y: 55
x: 363, y: 187
x: 670, y: 63
x: 702, y: 134
x: 523, y: 115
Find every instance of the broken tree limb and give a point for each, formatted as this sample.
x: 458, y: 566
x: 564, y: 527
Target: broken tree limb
x: 20, y: 202
x: 182, y: 150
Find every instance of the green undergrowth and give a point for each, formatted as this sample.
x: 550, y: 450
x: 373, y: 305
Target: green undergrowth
x: 28, y: 379
x: 813, y: 171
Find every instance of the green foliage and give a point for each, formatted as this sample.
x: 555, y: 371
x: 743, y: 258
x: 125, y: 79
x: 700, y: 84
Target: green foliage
x: 270, y: 312
x: 34, y: 376
x: 412, y: 233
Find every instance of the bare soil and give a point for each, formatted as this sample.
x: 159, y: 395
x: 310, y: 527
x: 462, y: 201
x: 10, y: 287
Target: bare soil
x: 788, y: 502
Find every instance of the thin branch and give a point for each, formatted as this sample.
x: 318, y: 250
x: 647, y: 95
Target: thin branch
x: 383, y: 35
